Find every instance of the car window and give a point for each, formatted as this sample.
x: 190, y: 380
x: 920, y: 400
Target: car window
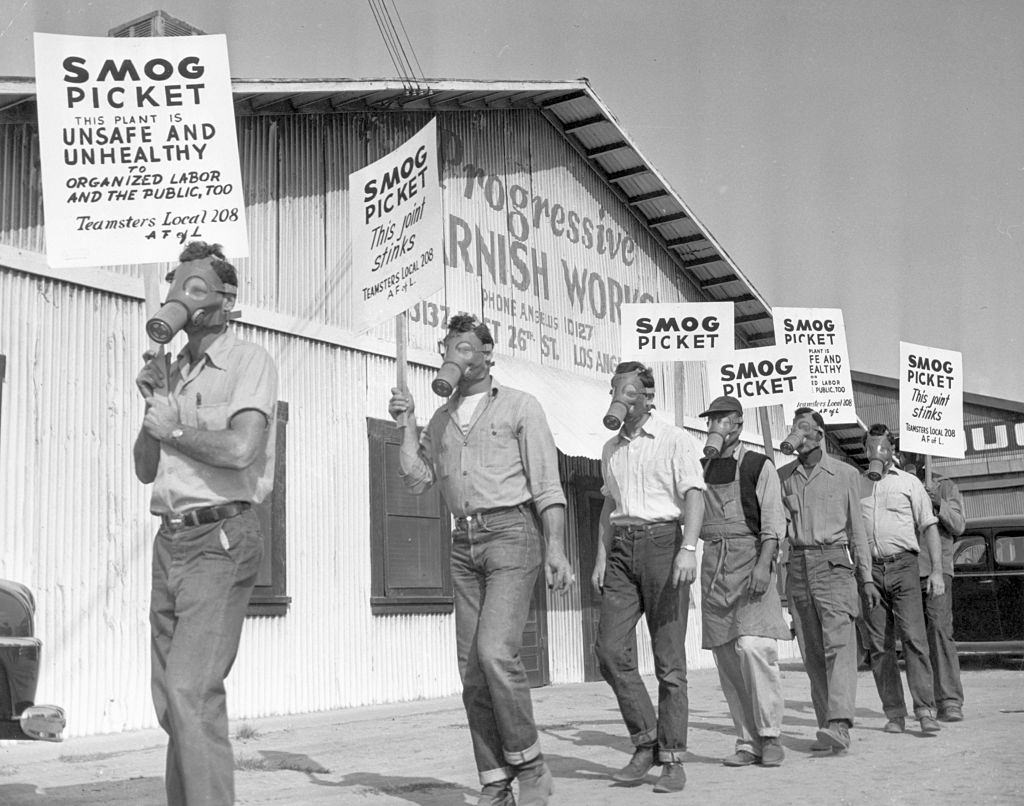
x: 1010, y: 549
x: 969, y: 554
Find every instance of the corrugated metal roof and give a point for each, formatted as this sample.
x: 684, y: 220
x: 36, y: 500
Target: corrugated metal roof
x: 572, y: 107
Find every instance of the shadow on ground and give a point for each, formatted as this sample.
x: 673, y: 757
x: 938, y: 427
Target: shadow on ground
x: 140, y: 791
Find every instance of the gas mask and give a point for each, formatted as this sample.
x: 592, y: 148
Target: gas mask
x: 879, y: 452
x: 465, y: 356
x: 196, y: 297
x: 627, y: 389
x: 719, y: 431
x: 802, y: 429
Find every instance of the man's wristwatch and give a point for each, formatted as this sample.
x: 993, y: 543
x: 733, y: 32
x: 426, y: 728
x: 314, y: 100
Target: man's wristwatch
x: 689, y: 548
x: 177, y: 434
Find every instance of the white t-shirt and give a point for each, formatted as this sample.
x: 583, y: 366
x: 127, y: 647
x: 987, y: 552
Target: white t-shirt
x: 467, y: 407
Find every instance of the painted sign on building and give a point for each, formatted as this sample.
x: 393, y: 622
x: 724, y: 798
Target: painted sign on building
x: 762, y: 376
x: 395, y: 230
x: 677, y: 331
x: 931, y: 401
x: 828, y: 360
x: 138, y: 148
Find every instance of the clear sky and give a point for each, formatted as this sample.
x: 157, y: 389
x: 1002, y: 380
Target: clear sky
x: 867, y: 156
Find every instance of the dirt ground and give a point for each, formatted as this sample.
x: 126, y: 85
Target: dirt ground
x: 419, y: 753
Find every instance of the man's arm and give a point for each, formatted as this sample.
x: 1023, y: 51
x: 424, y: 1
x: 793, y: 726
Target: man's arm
x: 773, y: 526
x: 413, y: 457
x: 147, y: 456
x: 604, y: 541
x: 684, y: 567
x: 557, y: 570
x: 858, y: 537
x: 235, y: 447
x: 948, y: 505
x: 936, y: 585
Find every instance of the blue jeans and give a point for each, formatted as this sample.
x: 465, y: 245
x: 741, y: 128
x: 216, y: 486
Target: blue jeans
x: 200, y: 595
x: 899, y: 583
x: 938, y: 620
x: 495, y: 560
x: 637, y: 582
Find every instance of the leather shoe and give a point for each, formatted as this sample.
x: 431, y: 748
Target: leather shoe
x: 741, y: 758
x: 672, y: 779
x: 930, y: 725
x: 638, y: 767
x: 951, y: 713
x: 895, y: 725
x: 836, y: 736
x: 497, y: 794
x: 536, y: 789
x: 771, y: 752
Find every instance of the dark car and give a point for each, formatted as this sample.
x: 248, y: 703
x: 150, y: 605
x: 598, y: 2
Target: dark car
x: 20, y: 717
x: 988, y: 586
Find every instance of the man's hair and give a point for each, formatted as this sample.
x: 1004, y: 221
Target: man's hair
x: 198, y: 250
x: 818, y: 420
x: 879, y: 430
x: 646, y: 376
x: 467, y: 323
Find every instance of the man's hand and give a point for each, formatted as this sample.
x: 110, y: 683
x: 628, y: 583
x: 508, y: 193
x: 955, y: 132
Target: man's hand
x: 161, y: 417
x: 759, y: 579
x: 684, y: 567
x: 936, y: 585
x: 872, y: 598
x: 401, y: 402
x: 152, y: 378
x: 557, y: 571
x: 597, y: 578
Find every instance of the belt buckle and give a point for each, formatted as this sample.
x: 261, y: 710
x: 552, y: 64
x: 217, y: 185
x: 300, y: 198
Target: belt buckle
x: 174, y: 521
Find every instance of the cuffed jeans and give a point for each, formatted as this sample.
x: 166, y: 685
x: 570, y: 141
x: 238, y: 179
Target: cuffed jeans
x: 748, y: 669
x: 202, y: 579
x: 637, y: 582
x: 938, y: 622
x: 899, y: 584
x: 822, y: 595
x: 495, y: 560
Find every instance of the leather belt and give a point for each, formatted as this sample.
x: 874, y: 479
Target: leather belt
x: 899, y: 555
x: 647, y: 529
x: 473, y: 518
x: 204, y: 515
x: 819, y: 547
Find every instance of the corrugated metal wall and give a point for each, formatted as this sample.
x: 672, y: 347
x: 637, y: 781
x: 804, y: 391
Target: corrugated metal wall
x: 78, y: 529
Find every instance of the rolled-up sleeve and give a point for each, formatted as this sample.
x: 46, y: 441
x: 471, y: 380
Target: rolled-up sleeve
x: 539, y: 455
x: 921, y: 504
x: 417, y: 469
x: 254, y: 383
x: 951, y: 508
x: 686, y: 469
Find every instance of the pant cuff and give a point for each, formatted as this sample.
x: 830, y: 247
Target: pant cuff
x: 920, y: 713
x: 894, y: 714
x: 494, y: 776
x: 645, y: 738
x: 517, y: 757
x: 676, y: 756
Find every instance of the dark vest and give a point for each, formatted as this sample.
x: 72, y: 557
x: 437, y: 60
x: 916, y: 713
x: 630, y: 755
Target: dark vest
x: 722, y: 471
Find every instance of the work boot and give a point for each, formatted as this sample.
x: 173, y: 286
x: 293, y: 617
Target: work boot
x: 741, y: 758
x: 897, y: 724
x: 836, y: 735
x: 930, y: 725
x: 638, y: 767
x: 951, y: 713
x: 535, y: 785
x: 771, y: 751
x: 672, y: 778
x: 498, y: 793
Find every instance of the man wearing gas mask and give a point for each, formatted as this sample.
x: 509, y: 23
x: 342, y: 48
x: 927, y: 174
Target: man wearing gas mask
x: 741, y: 616
x: 896, y: 512
x: 948, y: 507
x: 828, y: 554
x: 490, y: 449
x: 646, y: 561
x: 207, y: 446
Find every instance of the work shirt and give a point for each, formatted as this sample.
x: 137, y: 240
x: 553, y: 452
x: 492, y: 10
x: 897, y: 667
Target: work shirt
x: 823, y: 508
x: 950, y: 512
x: 505, y: 458
x: 233, y: 376
x: 648, y: 475
x: 896, y: 509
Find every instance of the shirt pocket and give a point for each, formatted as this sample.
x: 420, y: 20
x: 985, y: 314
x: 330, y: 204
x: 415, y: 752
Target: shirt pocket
x: 212, y: 417
x: 500, y: 447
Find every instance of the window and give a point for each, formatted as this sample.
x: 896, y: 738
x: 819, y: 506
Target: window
x: 270, y: 596
x: 410, y: 535
x: 970, y: 554
x: 1010, y: 550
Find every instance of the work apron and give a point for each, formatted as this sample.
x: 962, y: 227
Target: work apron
x: 730, y: 554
